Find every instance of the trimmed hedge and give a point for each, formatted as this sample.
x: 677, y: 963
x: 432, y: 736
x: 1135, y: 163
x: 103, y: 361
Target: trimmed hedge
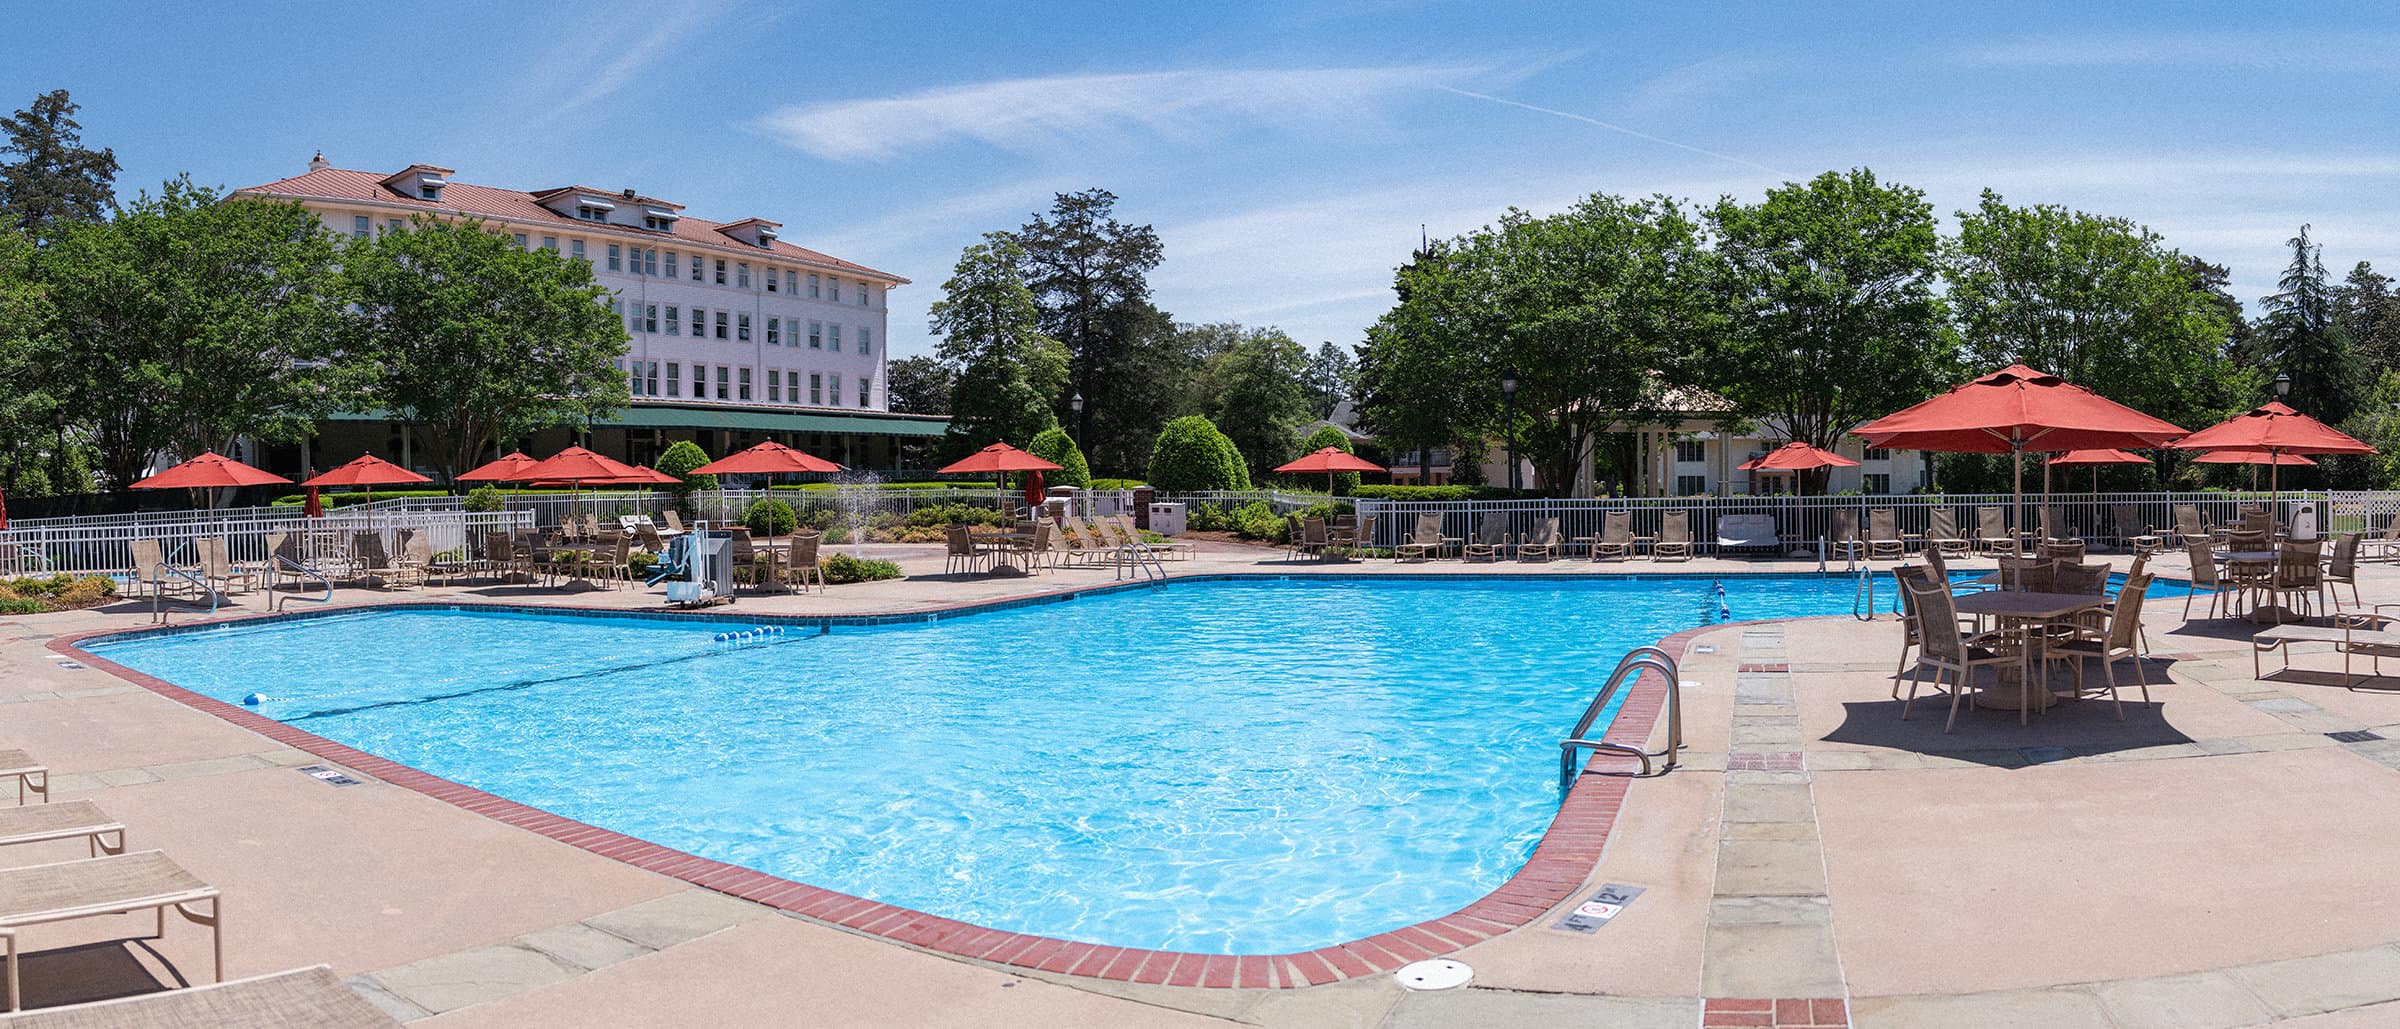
x: 1191, y: 455
x: 678, y: 461
x: 1055, y: 446
x: 1433, y: 492
x: 842, y: 568
x: 1117, y: 483
x: 770, y: 517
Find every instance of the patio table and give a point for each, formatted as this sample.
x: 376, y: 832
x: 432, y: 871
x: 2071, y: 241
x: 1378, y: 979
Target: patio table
x: 1001, y: 546
x: 2021, y: 607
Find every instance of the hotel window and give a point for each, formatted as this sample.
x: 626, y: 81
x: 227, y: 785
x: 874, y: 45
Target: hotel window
x: 650, y: 318
x: 578, y: 251
x: 1876, y: 454
x: 833, y: 390
x: 550, y: 243
x: 791, y: 281
x: 696, y: 270
x: 615, y: 255
x: 699, y: 324
x: 816, y: 335
x: 724, y: 374
x: 863, y: 339
x: 721, y: 321
x: 523, y: 243
x: 674, y: 377
x: 772, y: 274
x: 720, y: 271
x: 674, y: 319
x: 670, y: 264
x: 816, y: 388
x: 774, y: 386
x: 393, y: 225
x: 774, y: 332
x: 833, y: 338
x: 833, y: 289
x: 1691, y: 450
x: 862, y: 294
x: 741, y: 272
x: 649, y: 262
x: 361, y: 226
x: 1875, y: 483
x: 742, y: 331
x: 650, y: 379
x: 862, y: 392
x: 812, y: 284
x: 1691, y: 485
x: 745, y: 393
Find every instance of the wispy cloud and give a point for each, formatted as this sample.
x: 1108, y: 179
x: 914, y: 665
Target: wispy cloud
x: 1699, y: 80
x: 1612, y: 127
x: 1036, y: 114
x: 2331, y: 52
x: 586, y: 68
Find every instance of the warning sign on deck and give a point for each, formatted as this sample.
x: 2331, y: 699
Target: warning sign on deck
x: 1590, y: 915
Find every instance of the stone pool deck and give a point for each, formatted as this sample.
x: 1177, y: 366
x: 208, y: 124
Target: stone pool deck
x: 2213, y: 860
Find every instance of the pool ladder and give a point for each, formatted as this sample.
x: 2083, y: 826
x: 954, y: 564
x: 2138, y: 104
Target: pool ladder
x: 1639, y: 660
x: 1138, y: 559
x: 276, y: 601
x: 158, y: 591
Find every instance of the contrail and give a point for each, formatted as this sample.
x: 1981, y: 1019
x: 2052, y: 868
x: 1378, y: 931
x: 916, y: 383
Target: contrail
x: 1612, y: 127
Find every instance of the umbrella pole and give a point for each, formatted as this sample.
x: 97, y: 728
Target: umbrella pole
x: 2016, y: 452
x: 2046, y: 526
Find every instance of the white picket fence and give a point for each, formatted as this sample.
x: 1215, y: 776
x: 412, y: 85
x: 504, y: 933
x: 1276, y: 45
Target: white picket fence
x: 103, y: 544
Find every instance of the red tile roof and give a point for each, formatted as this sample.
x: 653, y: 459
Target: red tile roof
x: 338, y: 184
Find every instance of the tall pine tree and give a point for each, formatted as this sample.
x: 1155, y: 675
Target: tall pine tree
x: 52, y: 178
x: 2302, y: 339
x: 1089, y: 274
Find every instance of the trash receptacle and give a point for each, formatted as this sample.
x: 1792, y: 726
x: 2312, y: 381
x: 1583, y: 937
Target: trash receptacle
x: 1166, y: 519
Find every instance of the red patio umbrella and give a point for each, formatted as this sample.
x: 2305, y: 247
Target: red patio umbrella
x: 502, y: 470
x: 315, y: 505
x: 369, y: 471
x: 2254, y: 458
x: 2014, y: 410
x: 998, y: 459
x: 1331, y: 461
x: 211, y: 470
x: 768, y: 458
x: 1793, y: 458
x: 2274, y: 430
x: 2095, y: 458
x: 576, y: 466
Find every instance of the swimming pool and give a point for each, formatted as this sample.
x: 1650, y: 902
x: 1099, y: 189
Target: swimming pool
x: 1234, y: 766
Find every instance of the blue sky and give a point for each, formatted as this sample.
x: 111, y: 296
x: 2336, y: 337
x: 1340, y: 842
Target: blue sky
x: 1286, y: 153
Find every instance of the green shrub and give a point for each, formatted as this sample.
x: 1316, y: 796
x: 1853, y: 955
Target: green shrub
x: 1208, y: 518
x: 484, y: 498
x: 1344, y: 483
x: 1055, y: 446
x: 33, y: 586
x: 22, y: 606
x: 1454, y: 492
x: 1257, y: 520
x: 1117, y: 483
x: 938, y: 515
x: 678, y: 461
x: 841, y: 568
x: 770, y: 517
x: 1191, y: 455
x: 640, y: 562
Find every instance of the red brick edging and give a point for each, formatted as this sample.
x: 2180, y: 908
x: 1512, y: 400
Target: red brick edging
x: 1558, y: 867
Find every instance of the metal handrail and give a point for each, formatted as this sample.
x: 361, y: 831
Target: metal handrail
x: 1143, y: 560
x: 1634, y: 662
x: 158, y: 593
x: 35, y: 553
x: 275, y: 602
x: 1862, y: 602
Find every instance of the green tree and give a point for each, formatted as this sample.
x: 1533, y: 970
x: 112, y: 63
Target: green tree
x: 2302, y: 339
x: 678, y: 460
x: 1191, y: 455
x: 53, y: 179
x: 190, y: 321
x: 1344, y: 483
x: 1330, y: 378
x: 1089, y: 274
x: 1058, y: 448
x: 919, y: 385
x: 2100, y: 301
x: 1829, y: 313
x: 2367, y: 309
x: 1251, y: 389
x: 1008, y: 372
x: 2377, y: 423
x: 1584, y: 306
x: 473, y: 339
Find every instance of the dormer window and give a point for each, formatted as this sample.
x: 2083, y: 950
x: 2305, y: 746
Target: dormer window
x: 429, y: 191
x: 591, y: 214
x: 657, y: 224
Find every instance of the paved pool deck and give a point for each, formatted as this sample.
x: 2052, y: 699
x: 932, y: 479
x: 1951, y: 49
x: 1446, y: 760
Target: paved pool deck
x: 2215, y: 859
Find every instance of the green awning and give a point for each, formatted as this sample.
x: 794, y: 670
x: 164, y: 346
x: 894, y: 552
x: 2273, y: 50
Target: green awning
x: 656, y: 416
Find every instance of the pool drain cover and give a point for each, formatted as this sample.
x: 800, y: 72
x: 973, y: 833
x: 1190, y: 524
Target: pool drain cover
x: 1437, y: 974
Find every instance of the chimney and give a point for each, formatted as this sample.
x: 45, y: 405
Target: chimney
x: 319, y: 163
x: 629, y: 193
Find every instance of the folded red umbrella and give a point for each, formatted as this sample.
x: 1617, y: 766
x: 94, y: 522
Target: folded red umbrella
x: 315, y: 507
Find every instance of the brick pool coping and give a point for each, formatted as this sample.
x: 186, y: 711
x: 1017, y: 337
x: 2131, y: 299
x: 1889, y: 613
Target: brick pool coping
x: 1560, y: 863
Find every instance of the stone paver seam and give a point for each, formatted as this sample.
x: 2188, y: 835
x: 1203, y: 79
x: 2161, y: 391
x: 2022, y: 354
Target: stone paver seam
x: 372, y: 982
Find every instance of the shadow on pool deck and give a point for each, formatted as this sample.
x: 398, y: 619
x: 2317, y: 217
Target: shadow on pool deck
x: 1991, y: 737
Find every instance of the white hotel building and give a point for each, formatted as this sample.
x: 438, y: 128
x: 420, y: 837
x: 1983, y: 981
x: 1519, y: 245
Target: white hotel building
x: 736, y: 336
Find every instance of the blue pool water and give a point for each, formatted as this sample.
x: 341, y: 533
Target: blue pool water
x: 1228, y: 767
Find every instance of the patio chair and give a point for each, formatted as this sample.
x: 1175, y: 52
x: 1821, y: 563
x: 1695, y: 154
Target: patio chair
x: 1427, y: 541
x: 1991, y: 532
x: 217, y: 570
x: 68, y: 820
x: 1883, y: 535
x: 2032, y: 575
x: 1542, y: 543
x: 1616, y: 536
x: 1674, y: 537
x: 1941, y: 533
x: 959, y: 553
x: 2258, y: 520
x: 1166, y: 549
x: 1316, y: 538
x: 674, y: 522
x: 500, y: 557
x: 113, y: 885
x: 2298, y: 574
x: 2069, y: 551
x: 2077, y: 577
x: 1842, y: 539
x: 2118, y: 640
x: 2132, y: 532
x: 32, y: 776
x: 2189, y: 526
x: 804, y: 567
x: 1491, y: 538
x: 305, y: 998
x: 1030, y: 548
x: 2342, y: 570
x: 743, y: 552
x: 1944, y: 649
x: 2055, y: 529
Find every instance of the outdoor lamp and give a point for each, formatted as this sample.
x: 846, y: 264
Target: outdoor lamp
x: 1508, y: 382
x: 1077, y: 403
x: 2283, y: 384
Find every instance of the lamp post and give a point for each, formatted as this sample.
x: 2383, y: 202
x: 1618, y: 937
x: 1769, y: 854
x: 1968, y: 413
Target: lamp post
x: 1077, y: 404
x: 1508, y: 393
x: 2283, y: 385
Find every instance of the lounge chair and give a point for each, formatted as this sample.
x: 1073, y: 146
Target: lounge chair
x: 2387, y: 545
x: 1427, y: 541
x: 1674, y: 537
x: 2368, y: 633
x: 1542, y: 544
x: 1991, y: 532
x: 2055, y: 529
x: 1164, y: 548
x: 372, y: 561
x: 1842, y: 540
x: 1941, y: 533
x: 32, y: 776
x: 69, y: 820
x: 305, y: 998
x: 1616, y: 536
x: 1748, y: 531
x: 217, y: 570
x: 674, y: 522
x: 1491, y: 538
x: 1883, y: 535
x: 113, y: 885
